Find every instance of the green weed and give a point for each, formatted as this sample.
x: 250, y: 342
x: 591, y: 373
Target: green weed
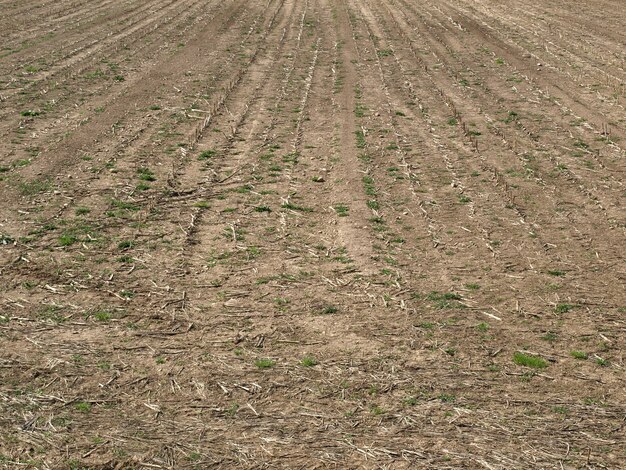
x: 527, y: 360
x: 264, y: 363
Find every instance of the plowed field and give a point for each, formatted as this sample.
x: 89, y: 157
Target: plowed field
x: 312, y: 234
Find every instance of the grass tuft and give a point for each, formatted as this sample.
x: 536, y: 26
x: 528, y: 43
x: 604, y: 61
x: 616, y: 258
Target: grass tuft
x: 308, y: 361
x: 527, y: 360
x: 579, y: 355
x: 264, y: 363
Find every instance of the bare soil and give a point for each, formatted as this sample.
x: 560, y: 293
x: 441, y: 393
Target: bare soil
x: 312, y: 234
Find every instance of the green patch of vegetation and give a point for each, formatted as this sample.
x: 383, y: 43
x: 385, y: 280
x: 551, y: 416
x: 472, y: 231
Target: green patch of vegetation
x: 602, y: 362
x: 125, y: 245
x: 196, y: 456
x: 103, y: 315
x: 373, y: 204
x: 98, y: 73
x: 51, y: 313
x: 83, y: 407
x: 511, y: 117
x: 245, y: 189
x: 563, y: 308
x: 253, y: 252
x: 447, y: 398
x: 527, y: 360
x: 556, y: 273
x: 145, y: 174
x: 291, y: 158
x: 308, y: 361
x: 30, y: 188
x: 360, y: 139
x: 579, y: 355
x: 30, y: 113
x: 341, y: 210
x: 207, y: 154
x: 410, y: 401
x: 82, y: 210
x: 124, y: 205
x: 561, y: 167
x: 328, y: 310
x: 264, y: 363
x: 296, y: 207
x: 6, y: 239
x: 67, y: 240
x: 368, y: 182
x: 379, y: 222
x: 445, y: 300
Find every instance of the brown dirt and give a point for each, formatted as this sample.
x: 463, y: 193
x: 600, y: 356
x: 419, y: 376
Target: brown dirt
x: 310, y: 234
